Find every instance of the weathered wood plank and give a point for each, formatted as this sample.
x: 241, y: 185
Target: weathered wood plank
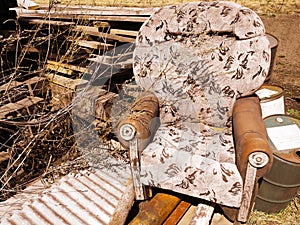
x: 94, y: 44
x: 37, y: 85
x: 68, y: 66
x: 65, y: 81
x: 60, y: 15
x: 47, y: 22
x: 112, y: 59
x: 28, y: 4
x: 107, y: 36
x: 249, y: 185
x: 186, y: 219
x: 156, y: 210
x: 59, y: 69
x: 178, y: 213
x: 203, y: 214
x: 62, y: 89
x: 25, y: 103
x: 6, y: 87
x: 14, y: 90
x: 127, y: 64
x: 101, y: 10
x: 85, y: 28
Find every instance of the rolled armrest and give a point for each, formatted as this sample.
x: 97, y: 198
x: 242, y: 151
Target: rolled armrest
x: 250, y: 135
x: 140, y: 121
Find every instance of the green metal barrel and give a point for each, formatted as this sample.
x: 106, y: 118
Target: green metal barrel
x: 282, y: 183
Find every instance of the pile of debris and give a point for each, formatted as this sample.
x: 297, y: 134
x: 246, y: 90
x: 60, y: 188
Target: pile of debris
x: 55, y: 57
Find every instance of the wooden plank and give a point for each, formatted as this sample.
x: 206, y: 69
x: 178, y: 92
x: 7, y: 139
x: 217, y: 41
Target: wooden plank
x: 186, y: 219
x: 203, y: 214
x: 94, y: 44
x: 249, y: 185
x: 47, y: 22
x: 178, y: 213
x: 127, y: 64
x: 68, y: 66
x: 37, y: 85
x: 107, y: 36
x: 146, y: 11
x: 101, y: 10
x: 22, y: 13
x: 62, y: 89
x: 59, y: 69
x: 124, y: 32
x: 112, y: 59
x: 66, y: 82
x: 6, y: 87
x: 86, y: 28
x: 156, y: 210
x: 17, y: 106
x: 28, y: 4
x: 14, y: 91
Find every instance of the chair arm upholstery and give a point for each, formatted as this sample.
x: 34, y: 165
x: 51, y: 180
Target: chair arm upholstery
x: 250, y: 135
x: 139, y: 122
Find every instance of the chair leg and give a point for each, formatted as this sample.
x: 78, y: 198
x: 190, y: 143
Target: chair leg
x: 203, y: 214
x: 140, y: 193
x: 249, y: 185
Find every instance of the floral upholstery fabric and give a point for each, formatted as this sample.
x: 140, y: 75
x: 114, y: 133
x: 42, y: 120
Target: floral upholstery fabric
x: 197, y: 58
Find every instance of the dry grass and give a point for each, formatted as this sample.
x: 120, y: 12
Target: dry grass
x: 289, y: 216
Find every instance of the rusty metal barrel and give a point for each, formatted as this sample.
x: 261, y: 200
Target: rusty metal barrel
x: 282, y: 183
x: 273, y: 44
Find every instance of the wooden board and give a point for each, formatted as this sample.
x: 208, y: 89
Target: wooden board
x: 188, y: 216
x: 37, y: 85
x: 86, y: 28
x: 28, y: 4
x: 14, y: 90
x: 127, y: 64
x: 94, y: 44
x: 107, y: 36
x: 74, y: 15
x: 113, y: 58
x: 68, y: 66
x: 46, y: 21
x: 156, y: 210
x: 23, y: 104
x: 59, y: 69
x: 62, y: 89
x: 100, y: 10
x: 178, y: 213
x: 66, y: 82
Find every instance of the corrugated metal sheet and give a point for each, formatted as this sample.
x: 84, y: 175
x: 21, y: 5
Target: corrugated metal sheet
x: 93, y: 198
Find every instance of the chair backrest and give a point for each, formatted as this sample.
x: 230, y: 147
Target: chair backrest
x: 197, y: 58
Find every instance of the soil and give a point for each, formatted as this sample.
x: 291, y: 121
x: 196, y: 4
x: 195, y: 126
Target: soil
x: 286, y: 70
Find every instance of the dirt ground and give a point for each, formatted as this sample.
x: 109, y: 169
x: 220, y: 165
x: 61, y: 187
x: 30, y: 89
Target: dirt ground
x: 286, y: 71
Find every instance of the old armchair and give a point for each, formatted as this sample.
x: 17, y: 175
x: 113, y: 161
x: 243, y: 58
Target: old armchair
x: 192, y: 129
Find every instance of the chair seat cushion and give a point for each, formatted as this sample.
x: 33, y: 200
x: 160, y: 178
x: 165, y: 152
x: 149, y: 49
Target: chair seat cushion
x: 193, y: 159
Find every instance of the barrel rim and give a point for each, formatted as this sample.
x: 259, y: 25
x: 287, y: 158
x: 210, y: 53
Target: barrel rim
x: 289, y: 155
x: 280, y: 93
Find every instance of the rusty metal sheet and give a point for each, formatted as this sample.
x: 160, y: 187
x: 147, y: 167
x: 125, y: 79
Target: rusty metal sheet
x: 91, y: 198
